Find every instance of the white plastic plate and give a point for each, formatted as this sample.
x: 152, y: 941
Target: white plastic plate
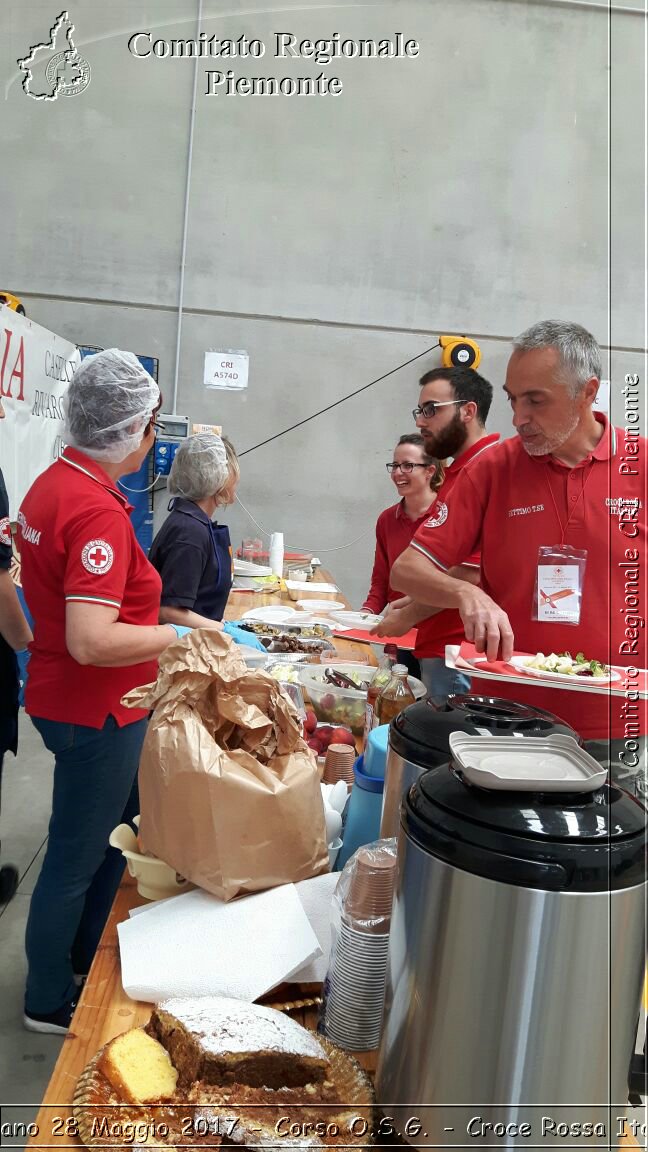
x: 320, y: 605
x: 247, y: 568
x: 362, y: 620
x: 533, y: 764
x: 522, y: 663
x: 271, y: 614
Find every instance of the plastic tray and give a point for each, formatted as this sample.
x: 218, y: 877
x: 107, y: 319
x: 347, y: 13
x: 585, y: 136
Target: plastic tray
x: 261, y: 629
x: 531, y: 764
x: 309, y: 647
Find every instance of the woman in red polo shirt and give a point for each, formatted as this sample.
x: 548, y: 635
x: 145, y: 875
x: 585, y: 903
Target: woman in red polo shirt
x: 417, y: 477
x: 95, y: 601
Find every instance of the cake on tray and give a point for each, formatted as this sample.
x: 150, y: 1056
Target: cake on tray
x: 209, y: 1071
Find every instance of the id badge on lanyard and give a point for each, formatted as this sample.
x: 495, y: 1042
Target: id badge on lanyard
x: 559, y: 583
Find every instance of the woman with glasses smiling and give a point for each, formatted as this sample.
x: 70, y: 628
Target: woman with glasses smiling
x: 417, y: 478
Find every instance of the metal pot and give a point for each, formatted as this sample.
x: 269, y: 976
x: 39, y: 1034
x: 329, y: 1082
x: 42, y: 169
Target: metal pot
x: 516, y: 964
x: 419, y: 739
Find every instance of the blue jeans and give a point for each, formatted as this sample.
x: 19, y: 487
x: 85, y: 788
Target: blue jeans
x: 95, y: 788
x: 440, y: 680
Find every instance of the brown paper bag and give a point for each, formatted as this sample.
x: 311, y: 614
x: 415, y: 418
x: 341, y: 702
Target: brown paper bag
x: 229, y: 791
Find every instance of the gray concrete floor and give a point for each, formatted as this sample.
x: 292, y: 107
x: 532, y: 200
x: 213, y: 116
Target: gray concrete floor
x: 27, y: 1059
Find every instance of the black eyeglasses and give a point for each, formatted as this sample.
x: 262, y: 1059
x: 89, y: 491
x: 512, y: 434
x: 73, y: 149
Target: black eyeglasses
x: 156, y: 425
x: 428, y: 410
x: 407, y: 467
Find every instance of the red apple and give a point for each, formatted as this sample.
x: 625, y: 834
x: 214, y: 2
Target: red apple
x: 316, y: 746
x: 310, y: 723
x: 343, y: 736
x: 324, y: 735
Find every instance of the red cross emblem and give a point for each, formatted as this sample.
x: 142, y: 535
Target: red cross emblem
x: 97, y: 557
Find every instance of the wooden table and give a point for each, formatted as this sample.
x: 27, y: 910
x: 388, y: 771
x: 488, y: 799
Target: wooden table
x: 104, y: 1008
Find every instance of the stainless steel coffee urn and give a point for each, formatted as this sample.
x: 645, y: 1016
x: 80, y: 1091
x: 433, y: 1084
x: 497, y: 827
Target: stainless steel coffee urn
x: 419, y: 739
x: 516, y: 965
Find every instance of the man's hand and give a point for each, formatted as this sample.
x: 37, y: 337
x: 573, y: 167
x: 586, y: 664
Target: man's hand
x: 485, y: 624
x: 398, y: 618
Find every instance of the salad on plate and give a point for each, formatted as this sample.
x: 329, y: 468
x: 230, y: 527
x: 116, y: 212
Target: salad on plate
x: 567, y: 665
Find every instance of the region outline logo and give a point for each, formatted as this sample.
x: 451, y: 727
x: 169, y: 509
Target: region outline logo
x: 51, y: 70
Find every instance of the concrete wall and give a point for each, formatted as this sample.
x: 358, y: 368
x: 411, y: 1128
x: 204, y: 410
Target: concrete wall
x: 333, y: 238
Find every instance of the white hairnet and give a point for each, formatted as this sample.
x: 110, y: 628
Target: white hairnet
x: 200, y: 467
x: 108, y: 404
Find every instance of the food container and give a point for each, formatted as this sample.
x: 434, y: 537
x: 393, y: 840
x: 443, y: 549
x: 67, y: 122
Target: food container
x: 255, y: 584
x: 295, y: 643
x: 360, y: 659
x: 155, y: 879
x: 307, y: 627
x: 253, y: 657
x: 306, y: 646
x: 285, y: 670
x: 295, y: 694
x: 344, y: 707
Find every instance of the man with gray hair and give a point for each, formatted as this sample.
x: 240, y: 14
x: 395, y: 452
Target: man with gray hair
x: 558, y: 516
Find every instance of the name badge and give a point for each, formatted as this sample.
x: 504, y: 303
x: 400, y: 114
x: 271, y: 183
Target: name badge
x: 559, y: 585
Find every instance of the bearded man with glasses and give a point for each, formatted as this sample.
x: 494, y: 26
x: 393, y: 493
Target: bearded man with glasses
x: 451, y: 417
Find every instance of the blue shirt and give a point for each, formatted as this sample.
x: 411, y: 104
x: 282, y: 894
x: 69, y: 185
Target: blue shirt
x: 194, y: 559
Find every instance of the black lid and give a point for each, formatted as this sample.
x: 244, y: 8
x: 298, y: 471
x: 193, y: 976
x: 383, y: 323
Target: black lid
x: 420, y: 733
x: 590, y: 842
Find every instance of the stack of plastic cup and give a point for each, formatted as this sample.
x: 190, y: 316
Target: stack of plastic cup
x: 339, y: 762
x: 354, y: 991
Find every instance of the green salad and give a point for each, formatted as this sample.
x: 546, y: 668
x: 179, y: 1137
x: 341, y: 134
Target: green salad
x: 569, y: 665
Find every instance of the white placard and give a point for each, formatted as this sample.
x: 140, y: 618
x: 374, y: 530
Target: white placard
x: 558, y: 593
x: 215, y: 428
x: 226, y: 369
x: 35, y: 369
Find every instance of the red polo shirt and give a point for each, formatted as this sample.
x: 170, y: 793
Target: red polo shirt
x: 446, y: 627
x: 394, y: 530
x: 77, y: 544
x: 509, y: 504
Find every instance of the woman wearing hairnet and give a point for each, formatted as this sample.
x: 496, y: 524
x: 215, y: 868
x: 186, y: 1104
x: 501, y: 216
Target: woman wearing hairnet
x: 95, y: 600
x: 192, y: 553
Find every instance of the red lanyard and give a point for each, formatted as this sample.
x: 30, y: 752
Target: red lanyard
x: 565, y: 526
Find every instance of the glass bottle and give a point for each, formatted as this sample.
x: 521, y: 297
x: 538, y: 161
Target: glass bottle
x: 395, y: 696
x: 381, y: 679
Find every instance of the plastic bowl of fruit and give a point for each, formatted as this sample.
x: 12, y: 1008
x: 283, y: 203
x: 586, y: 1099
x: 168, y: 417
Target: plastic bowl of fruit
x: 339, y: 705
